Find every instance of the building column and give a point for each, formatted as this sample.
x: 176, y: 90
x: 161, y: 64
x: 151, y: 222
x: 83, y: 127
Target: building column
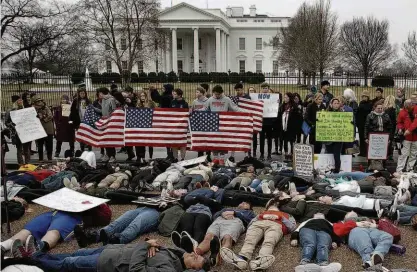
x: 196, y: 55
x: 209, y: 55
x: 218, y: 53
x: 224, y: 58
x: 167, y: 55
x: 228, y: 65
x: 174, y: 50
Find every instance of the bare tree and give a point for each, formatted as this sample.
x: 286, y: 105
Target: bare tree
x: 410, y: 48
x: 365, y: 45
x: 125, y: 31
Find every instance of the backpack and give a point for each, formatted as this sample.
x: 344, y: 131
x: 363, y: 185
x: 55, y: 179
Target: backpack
x: 389, y: 227
x: 169, y: 220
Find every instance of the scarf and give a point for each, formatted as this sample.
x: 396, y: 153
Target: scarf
x: 285, y: 116
x: 380, y: 121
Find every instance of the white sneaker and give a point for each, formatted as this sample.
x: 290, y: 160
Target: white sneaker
x: 67, y: 183
x: 232, y: 258
x: 265, y: 188
x: 112, y: 159
x: 311, y: 267
x: 170, y: 187
x: 74, y: 182
x: 104, y: 158
x: 332, y: 267
x: 262, y: 262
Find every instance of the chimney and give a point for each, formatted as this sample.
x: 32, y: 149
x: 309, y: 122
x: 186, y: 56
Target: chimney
x: 229, y: 11
x: 252, y: 11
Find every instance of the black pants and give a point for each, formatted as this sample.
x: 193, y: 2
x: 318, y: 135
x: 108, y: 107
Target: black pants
x: 335, y: 149
x: 233, y: 198
x: 170, y: 153
x: 363, y: 147
x: 23, y: 150
x: 267, y: 133
x: 124, y: 197
x: 31, y: 194
x: 317, y: 145
x: 286, y: 138
x: 59, y: 146
x: 196, y: 224
x: 111, y: 151
x: 89, y: 148
x: 141, y: 151
x: 277, y: 139
x: 48, y: 141
x: 254, y: 144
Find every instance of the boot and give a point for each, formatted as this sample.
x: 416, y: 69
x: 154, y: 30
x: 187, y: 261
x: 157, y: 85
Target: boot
x: 84, y: 238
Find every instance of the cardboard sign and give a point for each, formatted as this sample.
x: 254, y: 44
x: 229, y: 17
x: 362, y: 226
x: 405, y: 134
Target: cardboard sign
x: 66, y: 110
x: 28, y: 126
x: 68, y: 200
x: 271, y: 103
x: 378, y: 146
x: 303, y: 157
x: 193, y: 161
x: 325, y: 162
x: 334, y: 127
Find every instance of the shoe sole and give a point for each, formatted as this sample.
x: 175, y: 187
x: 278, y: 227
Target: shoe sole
x: 265, y: 263
x: 215, y: 250
x: 308, y: 268
x: 187, y: 244
x: 228, y: 256
x: 332, y: 267
x: 176, y: 239
x: 30, y: 241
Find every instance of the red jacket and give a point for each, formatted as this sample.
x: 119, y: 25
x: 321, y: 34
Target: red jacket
x: 404, y: 122
x: 342, y: 229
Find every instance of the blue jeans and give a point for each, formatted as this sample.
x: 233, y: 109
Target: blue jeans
x: 312, y: 241
x: 133, y: 223
x: 82, y: 260
x: 369, y: 241
x: 255, y: 183
x: 406, y: 212
x: 354, y: 175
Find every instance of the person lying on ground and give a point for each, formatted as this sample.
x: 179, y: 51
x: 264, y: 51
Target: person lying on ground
x: 271, y: 225
x: 244, y: 179
x: 316, y: 235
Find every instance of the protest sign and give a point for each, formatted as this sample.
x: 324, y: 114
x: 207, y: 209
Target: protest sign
x: 28, y: 126
x: 271, y: 103
x: 68, y: 200
x: 66, y: 110
x: 303, y: 159
x: 193, y: 161
x: 334, y: 127
x: 325, y: 162
x: 378, y: 146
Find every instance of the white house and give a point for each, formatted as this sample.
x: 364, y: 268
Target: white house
x: 209, y: 40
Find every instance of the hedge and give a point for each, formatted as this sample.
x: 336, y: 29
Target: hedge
x: 383, y: 81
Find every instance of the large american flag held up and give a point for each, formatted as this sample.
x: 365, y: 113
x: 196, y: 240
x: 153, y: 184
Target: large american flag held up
x: 231, y: 131
x: 102, y: 132
x: 156, y: 127
x: 256, y: 108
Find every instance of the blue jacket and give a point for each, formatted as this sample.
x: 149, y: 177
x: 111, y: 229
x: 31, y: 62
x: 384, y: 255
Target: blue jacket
x: 244, y: 215
x: 206, y: 192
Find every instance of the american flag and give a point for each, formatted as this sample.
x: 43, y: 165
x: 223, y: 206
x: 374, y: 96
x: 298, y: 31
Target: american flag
x: 104, y: 131
x: 156, y: 127
x: 256, y: 108
x: 231, y: 131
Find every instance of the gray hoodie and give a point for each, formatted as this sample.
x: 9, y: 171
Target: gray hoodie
x: 224, y: 103
x: 108, y: 105
x: 199, y: 103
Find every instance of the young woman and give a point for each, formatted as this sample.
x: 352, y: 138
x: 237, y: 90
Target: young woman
x: 299, y: 103
x: 64, y: 131
x: 335, y: 148
x: 178, y: 102
x: 45, y: 116
x: 144, y: 103
x: 78, y: 109
x: 364, y: 108
x: 310, y: 117
x: 390, y: 109
x: 288, y: 114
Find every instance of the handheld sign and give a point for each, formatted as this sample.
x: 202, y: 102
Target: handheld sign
x: 66, y: 110
x: 271, y: 103
x: 28, y: 126
x: 335, y: 127
x: 325, y: 162
x: 303, y: 156
x: 378, y: 146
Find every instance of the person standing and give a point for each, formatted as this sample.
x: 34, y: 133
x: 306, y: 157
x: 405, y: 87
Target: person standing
x: 389, y: 108
x: 46, y: 118
x: 144, y: 103
x: 324, y: 90
x: 78, y: 109
x: 335, y: 148
x: 267, y: 132
x: 199, y: 104
x: 299, y: 104
x: 364, y: 108
x: 399, y: 100
x: 378, y: 95
x: 178, y: 102
x: 311, y: 118
x: 288, y: 115
x: 64, y: 129
x: 409, y: 151
x: 108, y: 105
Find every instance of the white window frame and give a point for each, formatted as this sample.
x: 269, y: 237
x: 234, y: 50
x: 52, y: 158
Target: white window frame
x: 244, y: 66
x: 275, y: 45
x: 123, y: 44
x: 140, y: 67
x: 244, y: 44
x: 124, y: 65
x: 179, y: 42
x: 108, y: 70
x: 256, y: 66
x: 180, y: 67
x: 260, y: 45
x: 275, y: 67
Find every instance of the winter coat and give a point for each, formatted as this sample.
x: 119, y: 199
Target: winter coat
x: 393, y: 117
x: 179, y: 104
x: 169, y: 219
x: 354, y: 105
x: 64, y: 131
x: 371, y: 125
x: 108, y: 105
x: 327, y: 97
x: 45, y: 116
x: 364, y: 108
x: 311, y: 113
x: 404, y: 121
x: 205, y: 192
x: 244, y: 215
x: 171, y: 175
x: 165, y: 99
x: 76, y: 106
x: 202, y: 170
x: 134, y: 257
x: 293, y: 124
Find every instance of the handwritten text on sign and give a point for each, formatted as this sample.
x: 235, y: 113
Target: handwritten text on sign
x: 271, y: 103
x: 66, y: 110
x: 28, y: 126
x: 378, y: 146
x: 334, y: 127
x: 303, y: 159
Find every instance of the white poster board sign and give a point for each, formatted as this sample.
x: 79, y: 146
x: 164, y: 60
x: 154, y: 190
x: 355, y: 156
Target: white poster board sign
x: 325, y: 162
x: 68, y: 200
x: 271, y: 103
x: 303, y: 156
x: 28, y: 126
x: 66, y: 110
x: 193, y: 161
x: 378, y: 146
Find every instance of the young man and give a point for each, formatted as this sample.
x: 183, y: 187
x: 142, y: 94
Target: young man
x: 267, y: 132
x: 378, y: 95
x: 324, y: 90
x: 271, y: 225
x: 201, y: 99
x: 108, y: 105
x: 409, y: 151
x: 178, y: 103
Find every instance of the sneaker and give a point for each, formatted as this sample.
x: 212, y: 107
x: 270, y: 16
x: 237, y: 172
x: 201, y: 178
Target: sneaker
x: 232, y: 159
x: 67, y: 183
x: 242, y: 188
x: 293, y: 189
x: 176, y: 239
x: 84, y: 238
x: 332, y: 267
x: 376, y: 259
x: 311, y: 267
x: 30, y: 245
x: 198, y: 185
x: 265, y: 188
x: 17, y: 250
x: 104, y: 158
x: 112, y: 160
x: 74, y: 182
x: 214, y: 251
x: 232, y: 258
x: 206, y: 185
x: 187, y: 242
x: 262, y: 262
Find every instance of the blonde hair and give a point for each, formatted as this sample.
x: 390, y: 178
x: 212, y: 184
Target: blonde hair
x: 317, y: 96
x: 147, y: 104
x: 389, y: 102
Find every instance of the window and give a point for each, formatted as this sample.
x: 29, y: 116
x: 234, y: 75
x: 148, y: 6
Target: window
x: 199, y: 43
x: 259, y: 66
x: 108, y: 66
x: 241, y: 21
x: 275, y: 42
x: 107, y: 44
x: 124, y: 65
x: 258, y: 43
x: 179, y: 63
x: 242, y: 66
x: 140, y: 44
x: 123, y: 44
x: 275, y: 21
x: 179, y: 44
x: 242, y: 45
x: 140, y: 66
x: 275, y: 67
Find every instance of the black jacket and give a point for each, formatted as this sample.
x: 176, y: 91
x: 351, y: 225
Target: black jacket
x: 365, y: 108
x: 293, y: 123
x: 371, y: 124
x: 179, y: 104
x: 75, y: 111
x: 311, y: 113
x: 392, y: 113
x: 165, y: 99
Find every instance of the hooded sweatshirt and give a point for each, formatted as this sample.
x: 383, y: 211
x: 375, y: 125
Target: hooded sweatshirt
x: 198, y: 104
x: 165, y: 99
x: 108, y: 105
x: 224, y: 103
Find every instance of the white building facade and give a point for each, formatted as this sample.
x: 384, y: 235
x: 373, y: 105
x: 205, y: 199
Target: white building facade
x: 209, y: 40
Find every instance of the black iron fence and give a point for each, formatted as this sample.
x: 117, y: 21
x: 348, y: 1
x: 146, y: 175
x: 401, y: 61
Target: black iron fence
x: 52, y: 87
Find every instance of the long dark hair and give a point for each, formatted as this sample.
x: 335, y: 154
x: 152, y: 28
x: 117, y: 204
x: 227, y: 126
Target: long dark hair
x: 291, y: 103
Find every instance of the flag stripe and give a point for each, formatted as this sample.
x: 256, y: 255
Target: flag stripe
x: 256, y: 108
